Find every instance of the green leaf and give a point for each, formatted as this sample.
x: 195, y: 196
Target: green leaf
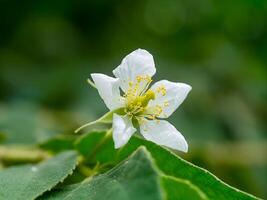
x: 180, y: 189
x: 2, y: 137
x: 22, y: 124
x: 58, y: 143
x: 135, y: 178
x: 86, y: 144
x: 171, y: 165
x: 30, y: 181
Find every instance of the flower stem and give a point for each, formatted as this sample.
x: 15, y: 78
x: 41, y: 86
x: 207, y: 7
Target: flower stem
x: 100, y: 144
x: 17, y: 154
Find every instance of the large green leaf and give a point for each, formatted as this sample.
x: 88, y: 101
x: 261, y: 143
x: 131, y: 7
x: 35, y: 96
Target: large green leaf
x: 30, y: 181
x: 170, y: 164
x: 135, y: 178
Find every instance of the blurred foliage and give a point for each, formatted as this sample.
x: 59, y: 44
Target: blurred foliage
x: 49, y: 48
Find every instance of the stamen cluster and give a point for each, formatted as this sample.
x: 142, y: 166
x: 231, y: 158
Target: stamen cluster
x: 137, y: 98
x: 137, y: 95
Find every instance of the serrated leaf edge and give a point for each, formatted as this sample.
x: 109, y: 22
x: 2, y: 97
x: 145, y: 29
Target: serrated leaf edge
x: 60, y: 181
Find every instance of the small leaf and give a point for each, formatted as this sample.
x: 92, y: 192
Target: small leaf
x: 58, y: 143
x: 97, y: 147
x: 86, y: 144
x: 30, y: 181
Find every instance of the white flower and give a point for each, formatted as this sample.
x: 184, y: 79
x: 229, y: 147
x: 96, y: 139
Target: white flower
x: 139, y: 106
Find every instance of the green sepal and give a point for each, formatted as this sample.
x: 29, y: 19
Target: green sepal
x: 108, y: 117
x: 105, y: 119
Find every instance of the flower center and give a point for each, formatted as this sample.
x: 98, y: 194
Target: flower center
x: 137, y: 105
x: 137, y: 97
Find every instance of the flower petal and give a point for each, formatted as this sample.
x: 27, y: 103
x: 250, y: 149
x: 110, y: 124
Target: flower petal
x: 168, y: 97
x: 138, y: 63
x: 163, y: 133
x: 108, y: 89
x: 122, y: 130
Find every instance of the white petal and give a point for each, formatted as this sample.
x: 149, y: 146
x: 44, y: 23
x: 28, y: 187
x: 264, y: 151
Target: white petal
x: 163, y: 133
x: 122, y: 130
x: 175, y: 94
x: 138, y: 63
x: 108, y: 89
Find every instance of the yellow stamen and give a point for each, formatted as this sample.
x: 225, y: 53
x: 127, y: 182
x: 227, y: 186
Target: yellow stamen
x: 166, y: 103
x: 137, y: 97
x: 161, y: 89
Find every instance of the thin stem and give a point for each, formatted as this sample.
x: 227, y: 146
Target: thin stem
x: 18, y: 154
x: 86, y: 171
x: 101, y: 143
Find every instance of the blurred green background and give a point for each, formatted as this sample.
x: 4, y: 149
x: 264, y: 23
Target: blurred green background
x: 49, y: 48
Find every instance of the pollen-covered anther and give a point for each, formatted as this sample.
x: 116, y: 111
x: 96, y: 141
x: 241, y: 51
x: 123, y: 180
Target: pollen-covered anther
x: 166, y: 104
x: 141, y: 120
x: 143, y: 78
x: 162, y: 90
x: 159, y: 110
x: 130, y: 83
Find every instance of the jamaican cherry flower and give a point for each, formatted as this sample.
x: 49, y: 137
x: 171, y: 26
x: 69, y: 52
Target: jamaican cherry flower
x: 136, y: 106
